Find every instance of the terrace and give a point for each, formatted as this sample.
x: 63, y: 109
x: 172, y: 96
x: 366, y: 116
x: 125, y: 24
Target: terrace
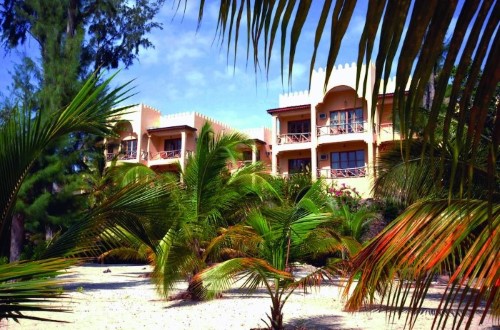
x: 126, y: 155
x: 290, y: 138
x: 343, y: 128
x: 166, y: 154
x: 354, y: 172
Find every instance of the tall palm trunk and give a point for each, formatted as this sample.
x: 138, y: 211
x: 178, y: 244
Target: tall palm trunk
x: 16, y: 237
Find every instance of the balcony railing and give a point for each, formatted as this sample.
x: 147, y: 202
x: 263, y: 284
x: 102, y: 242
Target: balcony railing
x: 355, y: 172
x: 168, y: 154
x: 344, y: 128
x: 294, y: 138
x: 128, y: 155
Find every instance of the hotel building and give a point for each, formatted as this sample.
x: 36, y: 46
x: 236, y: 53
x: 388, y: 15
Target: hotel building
x: 327, y: 132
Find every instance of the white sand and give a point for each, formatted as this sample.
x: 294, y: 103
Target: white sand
x: 122, y: 299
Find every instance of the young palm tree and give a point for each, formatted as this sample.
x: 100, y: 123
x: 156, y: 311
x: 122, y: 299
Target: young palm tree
x: 418, y: 29
x: 268, y: 244
x: 208, y: 198
x: 353, y: 223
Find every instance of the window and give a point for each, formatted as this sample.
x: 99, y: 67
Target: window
x: 299, y: 165
x: 347, y: 121
x: 172, y: 144
x: 129, y: 149
x: 299, y: 126
x: 247, y: 155
x: 348, y: 163
x: 171, y: 148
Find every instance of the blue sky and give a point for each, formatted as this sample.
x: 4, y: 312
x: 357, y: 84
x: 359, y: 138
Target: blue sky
x: 188, y: 71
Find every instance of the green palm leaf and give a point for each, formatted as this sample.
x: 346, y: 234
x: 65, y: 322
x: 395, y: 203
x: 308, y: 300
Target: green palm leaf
x: 205, y: 201
x: 24, y: 137
x: 31, y: 287
x: 222, y: 276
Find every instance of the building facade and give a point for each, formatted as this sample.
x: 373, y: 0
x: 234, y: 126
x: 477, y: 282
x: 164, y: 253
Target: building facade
x: 329, y: 132
x: 164, y: 142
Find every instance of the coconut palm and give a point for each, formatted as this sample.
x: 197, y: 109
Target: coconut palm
x: 266, y: 248
x: 353, y: 223
x: 411, y: 37
x: 23, y: 139
x: 208, y: 198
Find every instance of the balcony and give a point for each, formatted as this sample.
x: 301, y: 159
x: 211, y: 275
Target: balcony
x: 351, y: 131
x: 292, y: 138
x: 129, y: 155
x: 168, y: 154
x: 346, y: 128
x: 167, y: 157
x: 340, y: 173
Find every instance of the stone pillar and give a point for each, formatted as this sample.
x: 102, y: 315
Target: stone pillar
x: 274, y: 163
x: 183, y: 151
x: 314, y: 144
x: 255, y: 150
x: 371, y: 160
x: 148, y: 152
x: 274, y: 143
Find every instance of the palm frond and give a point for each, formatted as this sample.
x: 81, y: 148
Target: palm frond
x: 222, y: 276
x: 434, y: 237
x: 24, y: 136
x: 137, y: 210
x: 31, y: 287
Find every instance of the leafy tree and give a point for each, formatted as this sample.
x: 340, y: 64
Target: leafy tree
x: 418, y: 30
x: 106, y: 33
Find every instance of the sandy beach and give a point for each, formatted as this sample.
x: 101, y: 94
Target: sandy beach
x: 125, y: 299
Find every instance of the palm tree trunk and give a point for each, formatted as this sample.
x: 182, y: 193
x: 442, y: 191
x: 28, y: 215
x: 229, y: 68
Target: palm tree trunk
x: 16, y: 237
x: 194, y: 294
x: 276, y: 315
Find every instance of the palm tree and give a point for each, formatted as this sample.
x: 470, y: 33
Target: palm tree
x: 23, y: 139
x: 208, y: 198
x: 101, y: 183
x: 418, y: 29
x: 268, y: 245
x: 353, y: 223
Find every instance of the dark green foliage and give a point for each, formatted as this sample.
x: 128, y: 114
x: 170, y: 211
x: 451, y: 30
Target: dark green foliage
x: 209, y: 198
x: 114, y: 30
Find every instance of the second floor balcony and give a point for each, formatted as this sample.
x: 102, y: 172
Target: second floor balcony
x: 291, y: 138
x: 342, y: 128
x: 167, y: 154
x: 337, y: 173
x: 127, y: 155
